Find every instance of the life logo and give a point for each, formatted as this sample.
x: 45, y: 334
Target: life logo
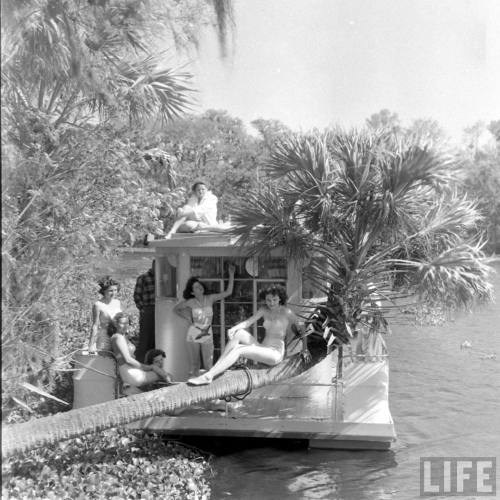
x: 458, y: 476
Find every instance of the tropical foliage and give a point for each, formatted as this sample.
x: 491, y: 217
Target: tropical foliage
x: 78, y: 80
x: 379, y: 215
x: 481, y: 165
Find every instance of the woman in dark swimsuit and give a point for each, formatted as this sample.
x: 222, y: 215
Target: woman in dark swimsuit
x: 131, y: 371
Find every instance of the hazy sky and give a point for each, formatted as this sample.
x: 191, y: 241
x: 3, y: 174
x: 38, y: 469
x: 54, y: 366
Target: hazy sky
x: 311, y: 63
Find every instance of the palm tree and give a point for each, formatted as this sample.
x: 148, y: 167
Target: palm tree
x: 380, y: 216
x: 36, y: 433
x: 69, y: 60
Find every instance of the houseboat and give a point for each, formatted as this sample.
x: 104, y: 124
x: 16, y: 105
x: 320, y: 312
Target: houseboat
x: 342, y: 402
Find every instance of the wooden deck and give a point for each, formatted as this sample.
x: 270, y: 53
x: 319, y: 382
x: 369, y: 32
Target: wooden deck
x: 353, y: 413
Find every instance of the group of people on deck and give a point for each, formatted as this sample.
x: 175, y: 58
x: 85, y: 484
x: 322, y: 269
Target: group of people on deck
x: 110, y: 331
x: 110, y: 335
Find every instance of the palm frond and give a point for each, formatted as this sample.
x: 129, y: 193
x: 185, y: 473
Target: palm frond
x: 304, y: 165
x: 40, y: 43
x: 449, y: 215
x: 147, y: 90
x: 456, y: 278
x: 355, y: 155
x: 264, y: 221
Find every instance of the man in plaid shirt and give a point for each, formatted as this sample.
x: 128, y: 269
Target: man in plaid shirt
x: 144, y: 298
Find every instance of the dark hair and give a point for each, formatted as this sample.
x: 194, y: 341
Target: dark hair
x: 196, y: 184
x: 278, y: 290
x: 112, y: 325
x: 151, y: 355
x: 188, y: 291
x: 107, y: 282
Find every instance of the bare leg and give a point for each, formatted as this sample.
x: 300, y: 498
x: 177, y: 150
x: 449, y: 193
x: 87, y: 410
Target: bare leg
x: 217, y: 228
x: 207, y: 354
x: 189, y: 226
x: 175, y: 226
x: 194, y: 358
x: 243, y: 344
x: 136, y: 376
x: 265, y: 355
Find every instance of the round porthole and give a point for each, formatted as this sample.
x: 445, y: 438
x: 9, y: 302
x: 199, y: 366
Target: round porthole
x: 172, y: 259
x: 252, y: 267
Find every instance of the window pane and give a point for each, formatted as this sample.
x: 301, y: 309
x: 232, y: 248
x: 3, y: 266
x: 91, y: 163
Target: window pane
x: 206, y: 267
x: 242, y: 292
x: 211, y: 286
x: 272, y: 267
x: 216, y: 320
x: 217, y: 339
x: 239, y: 263
x: 234, y: 313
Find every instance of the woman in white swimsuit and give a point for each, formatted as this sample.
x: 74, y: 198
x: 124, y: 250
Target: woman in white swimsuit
x: 277, y: 319
x: 132, y: 372
x: 197, y: 309
x: 103, y: 311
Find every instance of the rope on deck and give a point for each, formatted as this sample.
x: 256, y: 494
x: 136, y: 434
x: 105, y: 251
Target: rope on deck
x: 242, y: 395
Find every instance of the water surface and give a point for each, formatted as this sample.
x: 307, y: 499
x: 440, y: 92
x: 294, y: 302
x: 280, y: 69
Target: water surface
x: 444, y: 399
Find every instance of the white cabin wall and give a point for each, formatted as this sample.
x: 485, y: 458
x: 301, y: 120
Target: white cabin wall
x: 171, y: 329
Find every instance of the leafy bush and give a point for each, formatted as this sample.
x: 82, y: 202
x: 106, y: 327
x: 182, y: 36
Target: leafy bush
x: 113, y: 464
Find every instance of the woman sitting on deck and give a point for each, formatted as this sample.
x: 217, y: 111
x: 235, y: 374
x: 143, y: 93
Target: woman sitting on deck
x: 277, y: 319
x: 131, y: 371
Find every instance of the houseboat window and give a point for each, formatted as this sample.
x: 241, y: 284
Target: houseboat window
x: 248, y: 282
x: 216, y: 286
x: 242, y: 291
x: 272, y: 268
x: 166, y: 279
x: 235, y: 313
x: 206, y: 267
x: 212, y: 286
x: 310, y: 288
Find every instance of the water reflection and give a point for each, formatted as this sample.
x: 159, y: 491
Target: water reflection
x: 313, y: 474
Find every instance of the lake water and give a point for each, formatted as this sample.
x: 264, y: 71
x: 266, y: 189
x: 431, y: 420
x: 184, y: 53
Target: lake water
x: 444, y: 399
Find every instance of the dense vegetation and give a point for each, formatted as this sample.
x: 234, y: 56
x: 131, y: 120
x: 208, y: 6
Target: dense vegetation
x: 97, y: 150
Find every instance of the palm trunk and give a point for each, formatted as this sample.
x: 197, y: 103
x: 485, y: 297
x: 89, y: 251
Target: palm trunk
x: 47, y: 430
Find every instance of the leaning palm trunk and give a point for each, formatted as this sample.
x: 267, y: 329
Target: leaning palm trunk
x: 47, y: 430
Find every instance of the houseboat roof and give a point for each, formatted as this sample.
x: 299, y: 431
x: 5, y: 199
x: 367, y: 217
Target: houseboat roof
x: 183, y: 240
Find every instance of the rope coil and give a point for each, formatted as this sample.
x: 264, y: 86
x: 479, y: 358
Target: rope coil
x: 240, y: 396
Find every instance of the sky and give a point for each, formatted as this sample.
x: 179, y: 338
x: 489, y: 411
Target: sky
x: 315, y: 63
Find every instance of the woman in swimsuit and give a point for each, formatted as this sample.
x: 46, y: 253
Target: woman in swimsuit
x: 277, y: 319
x: 197, y: 309
x: 132, y: 372
x: 103, y: 311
